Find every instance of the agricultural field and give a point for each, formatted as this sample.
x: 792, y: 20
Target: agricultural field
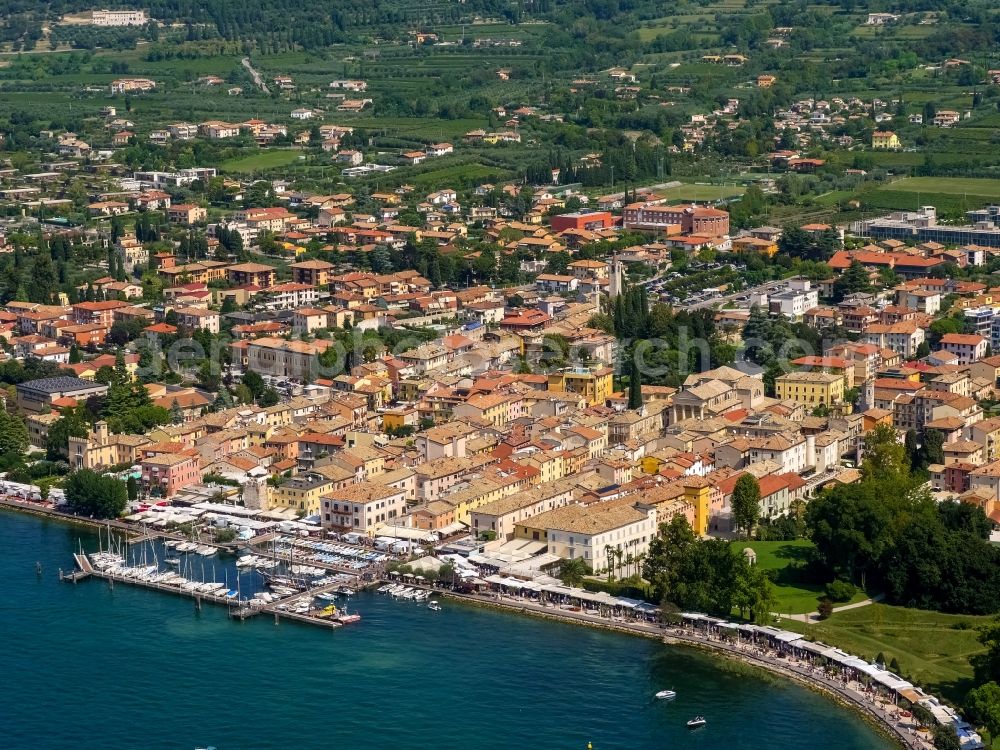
x: 947, y: 194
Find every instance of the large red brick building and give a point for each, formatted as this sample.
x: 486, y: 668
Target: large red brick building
x: 710, y: 222
x: 590, y: 221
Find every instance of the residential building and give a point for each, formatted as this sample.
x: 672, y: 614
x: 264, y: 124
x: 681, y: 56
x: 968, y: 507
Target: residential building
x: 362, y: 507
x: 810, y: 388
x: 967, y: 347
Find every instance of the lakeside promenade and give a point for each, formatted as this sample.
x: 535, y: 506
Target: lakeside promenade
x: 888, y: 718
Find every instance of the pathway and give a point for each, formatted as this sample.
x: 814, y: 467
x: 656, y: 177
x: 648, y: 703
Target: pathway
x: 813, y: 617
x: 257, y: 79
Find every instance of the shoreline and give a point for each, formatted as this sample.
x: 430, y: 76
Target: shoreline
x: 843, y: 695
x: 839, y: 693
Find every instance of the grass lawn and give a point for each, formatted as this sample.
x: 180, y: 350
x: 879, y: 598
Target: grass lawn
x: 793, y: 597
x: 949, y: 185
x: 269, y: 159
x: 932, y: 649
x: 690, y: 192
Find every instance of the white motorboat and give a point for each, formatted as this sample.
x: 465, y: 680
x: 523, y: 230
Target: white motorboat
x: 433, y: 605
x: 696, y: 722
x: 666, y: 695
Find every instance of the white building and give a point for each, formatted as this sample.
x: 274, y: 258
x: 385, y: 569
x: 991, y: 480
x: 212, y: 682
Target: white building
x: 120, y: 18
x: 362, y: 507
x: 589, y: 532
x: 794, y: 301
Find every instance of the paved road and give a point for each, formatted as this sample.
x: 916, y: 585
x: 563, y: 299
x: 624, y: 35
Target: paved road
x: 255, y: 75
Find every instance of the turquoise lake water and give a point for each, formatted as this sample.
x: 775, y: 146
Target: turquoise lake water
x: 86, y: 667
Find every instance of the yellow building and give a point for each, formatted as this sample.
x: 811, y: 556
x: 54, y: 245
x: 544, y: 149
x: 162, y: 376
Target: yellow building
x: 698, y: 493
x: 301, y: 493
x: 395, y: 419
x: 552, y: 465
x: 810, y: 388
x: 885, y: 140
x: 755, y: 245
x: 650, y: 464
x: 595, y: 385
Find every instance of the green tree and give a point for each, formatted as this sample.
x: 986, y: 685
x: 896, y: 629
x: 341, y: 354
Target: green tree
x: 885, y: 457
x: 987, y: 664
x: 132, y: 488
x: 254, y: 382
x: 983, y: 707
x: 72, y: 423
x: 572, y: 572
x: 634, y: 386
x: 13, y: 434
x: 662, y: 565
x: 746, y: 503
x: 754, y: 594
x: 945, y: 738
x: 269, y: 397
x: 93, y: 494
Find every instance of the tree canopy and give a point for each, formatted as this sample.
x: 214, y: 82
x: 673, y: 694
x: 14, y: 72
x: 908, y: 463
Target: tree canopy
x: 93, y: 494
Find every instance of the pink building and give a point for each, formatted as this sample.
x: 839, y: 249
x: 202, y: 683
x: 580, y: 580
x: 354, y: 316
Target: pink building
x: 165, y: 474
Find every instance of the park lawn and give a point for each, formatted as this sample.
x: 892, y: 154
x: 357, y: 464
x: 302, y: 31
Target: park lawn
x: 793, y: 598
x: 269, y: 159
x: 932, y: 649
x: 777, y: 555
x: 689, y: 192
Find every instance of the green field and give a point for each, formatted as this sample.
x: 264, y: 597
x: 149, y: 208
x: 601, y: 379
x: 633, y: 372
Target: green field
x: 455, y: 175
x: 702, y: 192
x: 793, y: 597
x: 259, y: 162
x: 932, y: 649
x: 949, y: 185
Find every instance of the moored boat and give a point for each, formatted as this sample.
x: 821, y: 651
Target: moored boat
x: 666, y: 695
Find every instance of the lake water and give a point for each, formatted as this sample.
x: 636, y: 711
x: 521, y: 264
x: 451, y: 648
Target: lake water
x: 85, y: 667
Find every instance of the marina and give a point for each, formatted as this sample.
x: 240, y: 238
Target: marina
x: 297, y: 592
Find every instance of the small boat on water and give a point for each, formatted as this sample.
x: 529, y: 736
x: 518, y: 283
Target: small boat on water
x: 172, y: 561
x: 434, y: 606
x: 327, y: 597
x: 696, y: 722
x: 666, y: 695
